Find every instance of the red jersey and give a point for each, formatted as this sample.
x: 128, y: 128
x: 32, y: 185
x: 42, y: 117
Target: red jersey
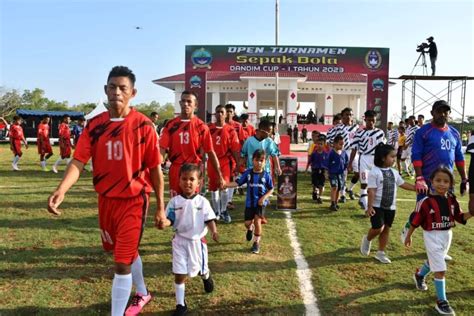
x: 224, y: 140
x: 184, y: 140
x: 43, y: 132
x: 122, y: 151
x: 239, y: 130
x: 64, y: 134
x: 16, y: 132
x: 436, y: 212
x: 248, y: 131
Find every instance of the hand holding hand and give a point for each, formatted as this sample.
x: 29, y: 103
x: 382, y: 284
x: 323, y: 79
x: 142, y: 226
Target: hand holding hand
x: 420, y: 185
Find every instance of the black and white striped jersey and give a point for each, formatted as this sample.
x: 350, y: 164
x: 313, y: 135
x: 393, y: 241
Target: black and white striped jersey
x: 333, y: 131
x: 410, y: 134
x: 392, y: 137
x: 349, y: 134
x: 365, y: 140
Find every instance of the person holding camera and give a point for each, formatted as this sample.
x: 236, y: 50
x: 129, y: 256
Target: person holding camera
x: 433, y: 51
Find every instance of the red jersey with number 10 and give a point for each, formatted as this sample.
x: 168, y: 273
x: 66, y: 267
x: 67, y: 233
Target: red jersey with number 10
x: 184, y: 140
x: 122, y: 151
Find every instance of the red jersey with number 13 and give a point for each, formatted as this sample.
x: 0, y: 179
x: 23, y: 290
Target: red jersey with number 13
x: 122, y: 151
x: 184, y: 140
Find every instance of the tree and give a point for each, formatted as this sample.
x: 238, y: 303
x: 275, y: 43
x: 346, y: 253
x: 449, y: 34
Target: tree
x: 10, y: 101
x: 34, y: 100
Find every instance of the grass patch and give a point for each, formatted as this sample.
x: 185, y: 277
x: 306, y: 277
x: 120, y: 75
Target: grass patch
x: 55, y: 266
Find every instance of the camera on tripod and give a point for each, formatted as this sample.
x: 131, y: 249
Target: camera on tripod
x: 421, y: 48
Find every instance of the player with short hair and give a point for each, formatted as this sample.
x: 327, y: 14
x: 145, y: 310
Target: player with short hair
x: 261, y: 140
x: 77, y: 130
x: 410, y: 136
x: 124, y: 146
x: 259, y: 188
x: 318, y: 161
x: 226, y: 146
x: 365, y: 141
x: 191, y: 216
x: 16, y: 138
x: 247, y: 128
x: 64, y: 142
x: 44, y: 146
x: 185, y: 139
x: 333, y: 131
x: 437, y: 214
x: 337, y: 162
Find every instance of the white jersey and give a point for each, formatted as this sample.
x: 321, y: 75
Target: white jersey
x: 365, y: 140
x: 189, y: 216
x: 410, y: 134
x: 392, y: 138
x: 385, y: 181
x: 346, y: 131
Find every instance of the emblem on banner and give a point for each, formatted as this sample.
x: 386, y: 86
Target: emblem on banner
x: 373, y: 59
x: 201, y: 58
x: 195, y: 82
x: 378, y: 84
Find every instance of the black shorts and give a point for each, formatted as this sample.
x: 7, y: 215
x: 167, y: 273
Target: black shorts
x: 337, y: 181
x: 382, y: 217
x: 399, y: 153
x: 318, y: 178
x: 250, y: 212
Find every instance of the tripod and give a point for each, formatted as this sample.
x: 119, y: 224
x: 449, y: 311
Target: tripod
x: 421, y: 62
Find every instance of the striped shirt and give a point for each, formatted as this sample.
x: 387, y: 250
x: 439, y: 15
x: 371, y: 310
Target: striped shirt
x: 411, y: 130
x: 365, y: 140
x: 392, y: 137
x: 436, y: 212
x: 333, y: 131
x: 347, y: 132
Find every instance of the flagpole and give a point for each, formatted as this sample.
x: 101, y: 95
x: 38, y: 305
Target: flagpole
x: 277, y: 123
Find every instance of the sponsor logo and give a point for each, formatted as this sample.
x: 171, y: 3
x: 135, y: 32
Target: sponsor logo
x: 378, y: 84
x: 195, y: 82
x: 201, y: 58
x: 373, y: 59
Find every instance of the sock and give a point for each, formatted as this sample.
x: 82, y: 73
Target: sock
x: 68, y: 160
x: 137, y: 276
x: 121, y: 289
x: 215, y: 203
x: 440, y: 286
x: 205, y: 276
x: 352, y: 184
x: 57, y: 162
x: 230, y: 194
x: 363, y: 197
x: 343, y: 189
x: 224, y: 199
x: 16, y: 159
x: 43, y: 164
x: 424, y: 270
x: 179, y: 289
x: 256, y: 238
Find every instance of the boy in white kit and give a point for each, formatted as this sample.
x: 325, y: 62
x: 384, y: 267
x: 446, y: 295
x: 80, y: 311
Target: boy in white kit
x: 191, y: 216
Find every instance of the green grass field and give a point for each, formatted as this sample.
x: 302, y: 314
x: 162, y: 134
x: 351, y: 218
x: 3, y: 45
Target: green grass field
x: 55, y: 266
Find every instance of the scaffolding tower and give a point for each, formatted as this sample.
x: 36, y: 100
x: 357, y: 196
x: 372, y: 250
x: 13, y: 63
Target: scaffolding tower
x: 411, y: 83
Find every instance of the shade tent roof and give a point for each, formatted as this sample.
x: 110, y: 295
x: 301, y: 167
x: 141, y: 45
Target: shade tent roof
x: 100, y: 108
x: 38, y: 113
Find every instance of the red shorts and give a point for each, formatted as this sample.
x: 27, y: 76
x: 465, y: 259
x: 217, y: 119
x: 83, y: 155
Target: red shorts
x: 173, y: 179
x: 121, y: 223
x: 15, y: 146
x: 45, y: 148
x: 212, y: 175
x: 65, y: 151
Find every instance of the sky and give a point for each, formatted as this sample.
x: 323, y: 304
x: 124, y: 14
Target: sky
x: 67, y: 48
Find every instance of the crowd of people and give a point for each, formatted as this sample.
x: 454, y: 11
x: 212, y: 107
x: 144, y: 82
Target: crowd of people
x: 128, y: 151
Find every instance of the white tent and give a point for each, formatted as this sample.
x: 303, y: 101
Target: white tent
x: 100, y: 108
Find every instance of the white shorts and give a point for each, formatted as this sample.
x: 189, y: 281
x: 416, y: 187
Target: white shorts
x: 437, y: 245
x: 355, y: 162
x: 366, y: 163
x: 189, y: 256
x: 406, y: 153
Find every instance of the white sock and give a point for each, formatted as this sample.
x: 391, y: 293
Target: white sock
x: 230, y: 194
x: 215, y: 203
x: 16, y: 159
x: 179, y: 289
x: 364, y: 199
x: 137, y: 276
x: 68, y: 160
x: 57, y: 162
x: 351, y: 186
x: 224, y: 199
x: 205, y: 276
x: 121, y: 289
x: 43, y: 164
